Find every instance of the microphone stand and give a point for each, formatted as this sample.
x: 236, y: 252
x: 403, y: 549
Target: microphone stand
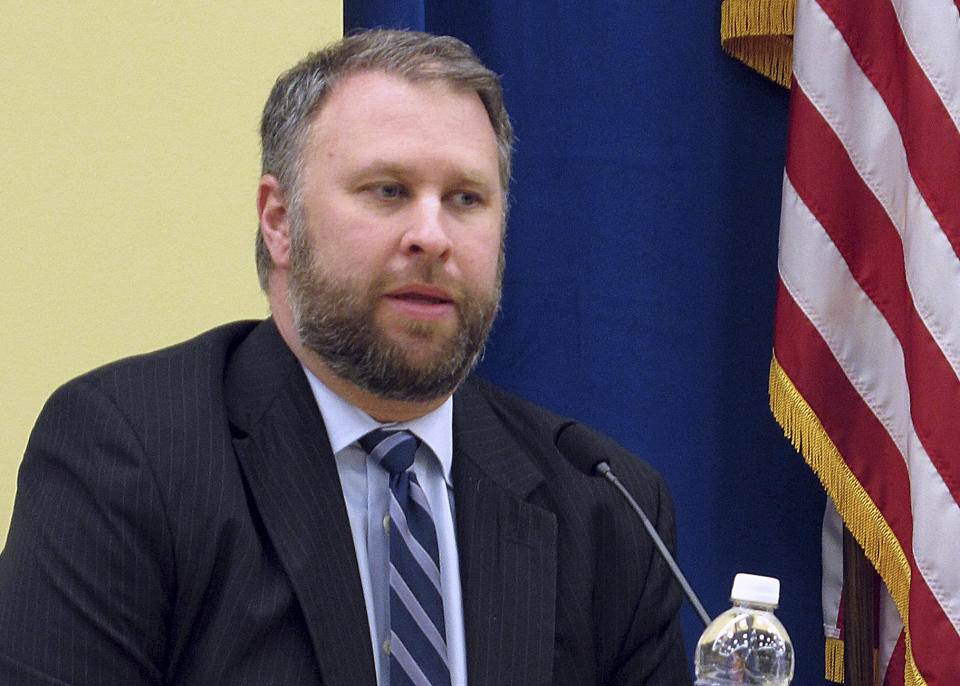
x: 603, y: 469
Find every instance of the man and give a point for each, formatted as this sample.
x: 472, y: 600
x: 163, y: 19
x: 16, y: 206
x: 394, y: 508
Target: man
x: 226, y: 511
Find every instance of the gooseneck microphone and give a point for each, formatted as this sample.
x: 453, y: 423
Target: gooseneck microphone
x: 577, y: 443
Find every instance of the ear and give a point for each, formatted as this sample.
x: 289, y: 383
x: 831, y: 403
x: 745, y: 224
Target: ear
x: 274, y: 220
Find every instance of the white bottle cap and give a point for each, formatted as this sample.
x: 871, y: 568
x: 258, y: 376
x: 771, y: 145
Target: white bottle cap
x: 750, y: 588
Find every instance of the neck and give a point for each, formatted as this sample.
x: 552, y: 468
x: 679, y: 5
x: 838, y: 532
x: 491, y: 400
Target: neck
x: 384, y: 410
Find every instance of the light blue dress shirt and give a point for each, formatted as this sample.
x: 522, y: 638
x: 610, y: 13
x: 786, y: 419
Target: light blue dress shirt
x: 367, y: 496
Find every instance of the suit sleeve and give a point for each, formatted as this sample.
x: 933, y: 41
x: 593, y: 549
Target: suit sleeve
x: 87, y: 572
x: 637, y: 595
x: 655, y: 651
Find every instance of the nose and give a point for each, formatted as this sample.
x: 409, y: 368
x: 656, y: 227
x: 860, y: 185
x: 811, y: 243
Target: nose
x: 425, y: 234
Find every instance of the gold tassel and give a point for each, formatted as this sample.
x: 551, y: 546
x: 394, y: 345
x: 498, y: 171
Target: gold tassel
x: 858, y: 511
x: 759, y: 33
x: 834, y: 660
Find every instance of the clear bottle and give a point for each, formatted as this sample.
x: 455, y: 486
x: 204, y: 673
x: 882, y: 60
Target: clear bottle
x: 747, y: 644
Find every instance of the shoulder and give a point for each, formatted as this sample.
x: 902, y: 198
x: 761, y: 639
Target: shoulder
x: 164, y: 386
x: 511, y: 408
x: 561, y: 445
x: 620, y: 599
x: 206, y: 349
x: 183, y: 365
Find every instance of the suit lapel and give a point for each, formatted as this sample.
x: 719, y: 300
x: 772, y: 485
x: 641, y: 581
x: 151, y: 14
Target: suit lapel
x: 286, y: 458
x: 507, y: 546
x: 507, y: 551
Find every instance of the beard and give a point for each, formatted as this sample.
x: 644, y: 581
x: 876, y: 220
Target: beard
x: 336, y: 319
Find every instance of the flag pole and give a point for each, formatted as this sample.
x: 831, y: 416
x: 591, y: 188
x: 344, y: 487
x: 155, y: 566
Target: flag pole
x: 859, y: 611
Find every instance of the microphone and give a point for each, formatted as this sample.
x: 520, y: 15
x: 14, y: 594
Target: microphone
x: 577, y: 443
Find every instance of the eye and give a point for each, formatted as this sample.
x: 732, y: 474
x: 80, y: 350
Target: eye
x: 467, y: 199
x: 389, y: 190
x: 382, y: 191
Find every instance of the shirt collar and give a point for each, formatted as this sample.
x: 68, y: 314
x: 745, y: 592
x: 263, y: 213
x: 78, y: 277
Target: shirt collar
x: 346, y: 423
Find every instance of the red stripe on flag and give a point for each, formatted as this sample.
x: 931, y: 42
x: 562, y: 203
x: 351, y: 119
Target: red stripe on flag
x: 935, y: 643
x: 851, y: 425
x: 820, y: 169
x: 872, y: 30
x: 830, y: 186
x: 894, y: 674
x: 855, y: 430
x: 824, y: 177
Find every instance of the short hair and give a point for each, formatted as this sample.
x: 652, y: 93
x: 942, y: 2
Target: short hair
x: 299, y: 94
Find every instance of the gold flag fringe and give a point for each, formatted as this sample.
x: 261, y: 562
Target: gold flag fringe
x: 858, y: 511
x: 834, y: 660
x: 759, y: 33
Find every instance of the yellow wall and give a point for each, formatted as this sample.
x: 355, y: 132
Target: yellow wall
x: 128, y: 167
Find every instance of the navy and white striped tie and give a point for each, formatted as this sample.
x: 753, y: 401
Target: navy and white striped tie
x: 418, y: 645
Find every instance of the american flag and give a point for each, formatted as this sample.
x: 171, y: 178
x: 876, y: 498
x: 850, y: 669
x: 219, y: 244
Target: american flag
x: 867, y: 340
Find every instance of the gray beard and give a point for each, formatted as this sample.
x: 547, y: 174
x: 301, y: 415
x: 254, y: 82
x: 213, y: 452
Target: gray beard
x: 336, y: 320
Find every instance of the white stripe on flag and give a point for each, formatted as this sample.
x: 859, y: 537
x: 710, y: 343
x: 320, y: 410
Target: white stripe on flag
x: 905, y: 370
x: 873, y: 142
x: 858, y: 335
x: 932, y: 30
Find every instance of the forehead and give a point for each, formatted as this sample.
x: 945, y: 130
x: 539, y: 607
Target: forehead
x: 368, y: 88
x: 373, y: 111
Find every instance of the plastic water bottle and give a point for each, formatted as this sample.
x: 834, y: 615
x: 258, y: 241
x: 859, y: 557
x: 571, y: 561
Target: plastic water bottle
x: 747, y: 644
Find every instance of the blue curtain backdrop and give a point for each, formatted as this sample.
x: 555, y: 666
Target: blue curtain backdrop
x: 641, y: 267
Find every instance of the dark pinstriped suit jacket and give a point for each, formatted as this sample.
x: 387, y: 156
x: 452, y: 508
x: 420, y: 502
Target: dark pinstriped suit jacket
x: 179, y: 521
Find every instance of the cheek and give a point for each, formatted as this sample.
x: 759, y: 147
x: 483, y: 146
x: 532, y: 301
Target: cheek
x: 482, y: 259
x: 350, y: 245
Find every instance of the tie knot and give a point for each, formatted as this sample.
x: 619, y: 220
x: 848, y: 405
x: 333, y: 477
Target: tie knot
x: 394, y: 450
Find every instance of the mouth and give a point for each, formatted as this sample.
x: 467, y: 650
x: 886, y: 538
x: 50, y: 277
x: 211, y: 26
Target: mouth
x: 417, y: 297
x: 422, y: 302
x: 421, y: 293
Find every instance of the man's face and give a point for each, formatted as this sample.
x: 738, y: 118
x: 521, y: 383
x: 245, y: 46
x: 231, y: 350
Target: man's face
x: 396, y: 245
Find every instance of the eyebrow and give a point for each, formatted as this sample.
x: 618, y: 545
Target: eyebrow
x: 471, y: 177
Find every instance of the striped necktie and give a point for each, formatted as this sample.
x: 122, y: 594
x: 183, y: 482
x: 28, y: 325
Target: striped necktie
x: 418, y: 645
